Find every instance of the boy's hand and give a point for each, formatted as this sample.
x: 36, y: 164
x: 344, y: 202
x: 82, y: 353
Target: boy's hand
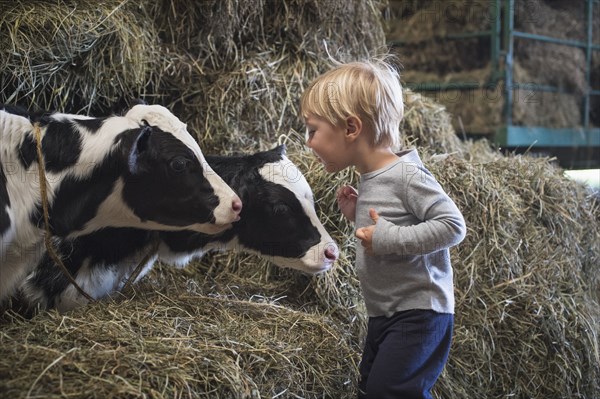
x: 365, y: 234
x: 346, y: 198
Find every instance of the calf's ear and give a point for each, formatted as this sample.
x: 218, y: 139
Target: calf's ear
x: 138, y: 148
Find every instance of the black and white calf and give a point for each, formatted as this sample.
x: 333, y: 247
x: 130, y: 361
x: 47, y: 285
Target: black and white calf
x: 278, y: 222
x: 141, y: 170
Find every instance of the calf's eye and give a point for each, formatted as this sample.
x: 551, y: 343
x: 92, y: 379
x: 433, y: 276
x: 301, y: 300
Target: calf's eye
x: 179, y: 164
x: 281, y: 209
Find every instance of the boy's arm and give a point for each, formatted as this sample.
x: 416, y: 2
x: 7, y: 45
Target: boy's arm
x: 442, y: 224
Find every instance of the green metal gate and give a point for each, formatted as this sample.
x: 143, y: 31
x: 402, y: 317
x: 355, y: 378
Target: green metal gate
x: 502, y: 34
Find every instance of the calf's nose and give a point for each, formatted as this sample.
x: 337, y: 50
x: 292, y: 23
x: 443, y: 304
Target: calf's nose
x: 330, y: 253
x: 236, y: 205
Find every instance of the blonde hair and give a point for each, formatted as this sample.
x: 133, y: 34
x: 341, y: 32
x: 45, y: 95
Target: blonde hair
x: 369, y: 90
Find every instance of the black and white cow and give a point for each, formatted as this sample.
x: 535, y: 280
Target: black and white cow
x: 278, y: 222
x: 141, y: 170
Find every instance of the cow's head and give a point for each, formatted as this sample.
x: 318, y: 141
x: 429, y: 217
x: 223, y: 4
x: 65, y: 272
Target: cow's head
x: 279, y: 220
x: 169, y: 183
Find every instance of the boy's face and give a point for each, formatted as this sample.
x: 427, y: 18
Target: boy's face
x: 328, y: 143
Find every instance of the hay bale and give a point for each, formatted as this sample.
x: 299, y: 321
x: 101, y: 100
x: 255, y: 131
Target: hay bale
x: 479, y: 111
x: 429, y: 57
x: 426, y: 19
x: 526, y: 280
x: 173, y: 339
x: 244, y: 93
x: 561, y: 19
x: 420, y: 28
x: 74, y: 55
x: 427, y: 124
x: 475, y: 111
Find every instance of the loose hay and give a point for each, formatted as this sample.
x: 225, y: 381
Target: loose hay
x: 233, y: 326
x: 168, y: 342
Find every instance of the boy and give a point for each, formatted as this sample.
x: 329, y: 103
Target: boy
x: 405, y: 221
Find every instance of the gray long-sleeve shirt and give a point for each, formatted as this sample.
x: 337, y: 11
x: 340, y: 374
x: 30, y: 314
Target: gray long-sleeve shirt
x: 418, y: 223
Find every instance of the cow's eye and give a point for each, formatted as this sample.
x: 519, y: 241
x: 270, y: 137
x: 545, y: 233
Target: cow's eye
x: 281, y: 209
x: 179, y: 164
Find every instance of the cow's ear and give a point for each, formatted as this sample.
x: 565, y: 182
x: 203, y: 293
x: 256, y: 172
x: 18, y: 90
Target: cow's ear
x: 138, y: 148
x: 142, y: 139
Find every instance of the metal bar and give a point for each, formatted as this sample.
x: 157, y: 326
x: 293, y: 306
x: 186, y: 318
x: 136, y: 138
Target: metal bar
x: 467, y: 35
x: 588, y: 64
x: 509, y: 9
x: 495, y: 41
x: 537, y: 136
x: 532, y: 36
x: 441, y: 86
x: 539, y: 87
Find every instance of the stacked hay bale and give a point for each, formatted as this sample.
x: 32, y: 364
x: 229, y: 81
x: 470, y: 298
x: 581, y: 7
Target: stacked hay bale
x: 66, y: 56
x: 422, y: 28
x: 527, y: 281
x: 232, y: 326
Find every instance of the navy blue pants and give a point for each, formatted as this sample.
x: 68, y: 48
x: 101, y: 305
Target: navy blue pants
x: 404, y: 354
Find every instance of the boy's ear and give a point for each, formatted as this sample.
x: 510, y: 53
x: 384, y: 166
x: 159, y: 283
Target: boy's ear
x: 353, y: 127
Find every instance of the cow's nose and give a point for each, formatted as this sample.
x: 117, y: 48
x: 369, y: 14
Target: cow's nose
x: 330, y: 254
x: 236, y: 205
